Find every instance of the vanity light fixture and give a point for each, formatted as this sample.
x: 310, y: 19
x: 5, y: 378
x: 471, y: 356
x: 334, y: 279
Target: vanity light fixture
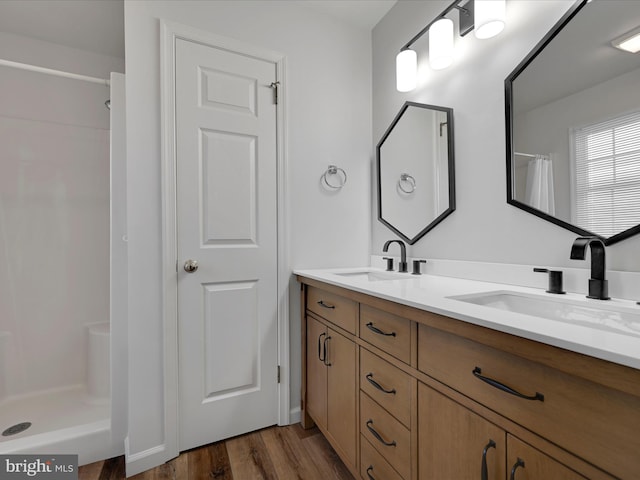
x: 629, y: 42
x: 489, y: 23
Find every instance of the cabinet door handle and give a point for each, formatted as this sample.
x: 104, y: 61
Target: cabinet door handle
x: 326, y: 305
x: 320, y: 357
x: 378, y: 436
x: 501, y: 386
x: 370, y: 469
x: 370, y: 379
x: 519, y: 463
x: 484, y: 475
x: 374, y: 329
x: 324, y: 360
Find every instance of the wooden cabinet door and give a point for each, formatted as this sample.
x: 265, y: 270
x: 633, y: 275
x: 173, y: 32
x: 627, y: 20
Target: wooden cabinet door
x: 455, y: 443
x: 526, y: 463
x: 316, y: 403
x: 341, y: 393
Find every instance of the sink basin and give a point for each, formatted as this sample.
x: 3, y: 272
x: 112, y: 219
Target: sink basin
x: 603, y: 316
x: 372, y: 276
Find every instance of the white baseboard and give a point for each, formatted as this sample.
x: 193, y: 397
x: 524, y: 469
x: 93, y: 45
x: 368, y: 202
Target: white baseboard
x: 294, y: 415
x: 141, y: 461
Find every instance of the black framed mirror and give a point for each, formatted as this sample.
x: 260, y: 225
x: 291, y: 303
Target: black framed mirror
x: 573, y: 123
x: 415, y: 166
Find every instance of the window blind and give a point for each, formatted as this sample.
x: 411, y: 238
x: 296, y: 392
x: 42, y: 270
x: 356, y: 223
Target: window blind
x: 607, y: 170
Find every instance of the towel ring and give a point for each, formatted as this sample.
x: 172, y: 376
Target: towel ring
x: 407, y: 179
x: 333, y: 170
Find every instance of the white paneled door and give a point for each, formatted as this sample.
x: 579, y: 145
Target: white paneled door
x: 227, y: 242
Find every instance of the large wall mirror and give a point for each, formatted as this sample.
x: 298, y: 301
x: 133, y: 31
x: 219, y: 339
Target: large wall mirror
x: 415, y: 170
x: 573, y: 123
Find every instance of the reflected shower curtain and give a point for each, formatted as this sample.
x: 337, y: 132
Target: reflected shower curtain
x: 539, y: 193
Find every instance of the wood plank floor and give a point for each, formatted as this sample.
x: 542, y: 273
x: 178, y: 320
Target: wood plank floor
x: 275, y: 453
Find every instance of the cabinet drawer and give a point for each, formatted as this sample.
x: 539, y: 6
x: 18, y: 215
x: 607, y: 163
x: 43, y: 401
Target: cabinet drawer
x: 339, y: 310
x: 597, y: 423
x: 373, y: 466
x: 388, y: 436
x: 387, y: 385
x: 386, y: 331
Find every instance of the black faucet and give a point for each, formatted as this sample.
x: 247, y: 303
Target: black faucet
x: 402, y: 266
x: 598, y: 286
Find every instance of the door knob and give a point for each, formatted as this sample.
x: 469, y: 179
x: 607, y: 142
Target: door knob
x: 190, y: 266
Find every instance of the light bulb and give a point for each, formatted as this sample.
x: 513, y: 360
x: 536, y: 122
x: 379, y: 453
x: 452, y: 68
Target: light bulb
x: 406, y: 70
x: 489, y: 17
x: 441, y: 44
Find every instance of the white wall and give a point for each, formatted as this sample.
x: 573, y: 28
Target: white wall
x: 54, y: 212
x: 328, y: 110
x: 483, y: 227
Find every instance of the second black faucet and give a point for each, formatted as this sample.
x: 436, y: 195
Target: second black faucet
x: 598, y: 285
x: 402, y: 266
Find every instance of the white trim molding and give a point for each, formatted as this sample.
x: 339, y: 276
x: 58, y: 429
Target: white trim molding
x: 171, y: 31
x: 142, y: 461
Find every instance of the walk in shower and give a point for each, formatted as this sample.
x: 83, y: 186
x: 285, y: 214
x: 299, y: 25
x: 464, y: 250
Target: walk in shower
x: 61, y: 222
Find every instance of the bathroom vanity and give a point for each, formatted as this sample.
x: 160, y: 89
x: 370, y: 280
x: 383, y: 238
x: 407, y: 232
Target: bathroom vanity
x: 404, y: 390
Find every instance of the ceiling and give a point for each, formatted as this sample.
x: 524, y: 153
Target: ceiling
x: 361, y: 13
x: 98, y: 25
x: 93, y: 25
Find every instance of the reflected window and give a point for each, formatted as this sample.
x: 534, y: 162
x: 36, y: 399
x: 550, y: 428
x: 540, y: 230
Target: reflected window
x: 607, y: 174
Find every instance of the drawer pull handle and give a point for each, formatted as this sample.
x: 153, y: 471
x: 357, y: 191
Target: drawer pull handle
x: 519, y: 463
x: 501, y: 386
x: 378, y: 436
x: 374, y: 329
x: 369, y: 377
x: 485, y: 471
x: 326, y: 305
x: 370, y: 469
x: 324, y: 360
x: 323, y: 357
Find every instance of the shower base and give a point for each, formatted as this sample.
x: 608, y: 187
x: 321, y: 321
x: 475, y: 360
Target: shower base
x: 62, y: 421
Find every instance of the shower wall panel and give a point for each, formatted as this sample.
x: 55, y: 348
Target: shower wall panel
x: 54, y: 226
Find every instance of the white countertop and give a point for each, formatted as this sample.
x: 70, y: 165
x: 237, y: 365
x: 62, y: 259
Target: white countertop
x: 430, y: 292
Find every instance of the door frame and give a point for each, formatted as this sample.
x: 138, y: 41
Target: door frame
x: 169, y: 33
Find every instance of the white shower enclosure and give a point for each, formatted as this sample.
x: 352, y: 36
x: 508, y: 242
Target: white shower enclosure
x: 62, y: 247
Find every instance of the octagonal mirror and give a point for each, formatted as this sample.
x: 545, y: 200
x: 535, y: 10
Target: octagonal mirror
x: 573, y: 123
x: 415, y: 170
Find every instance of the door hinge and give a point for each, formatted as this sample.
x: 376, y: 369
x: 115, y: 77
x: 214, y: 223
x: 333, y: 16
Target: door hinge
x: 278, y: 373
x: 274, y: 86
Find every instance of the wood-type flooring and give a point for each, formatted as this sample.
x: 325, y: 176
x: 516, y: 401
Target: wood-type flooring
x: 275, y: 453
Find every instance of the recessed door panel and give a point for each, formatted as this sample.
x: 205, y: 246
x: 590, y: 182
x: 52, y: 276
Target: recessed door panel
x: 230, y: 338
x: 229, y: 188
x: 226, y: 90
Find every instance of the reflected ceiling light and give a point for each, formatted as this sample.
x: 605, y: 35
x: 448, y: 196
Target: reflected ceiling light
x: 441, y: 44
x: 489, y: 17
x: 629, y: 42
x: 441, y: 37
x: 406, y: 70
